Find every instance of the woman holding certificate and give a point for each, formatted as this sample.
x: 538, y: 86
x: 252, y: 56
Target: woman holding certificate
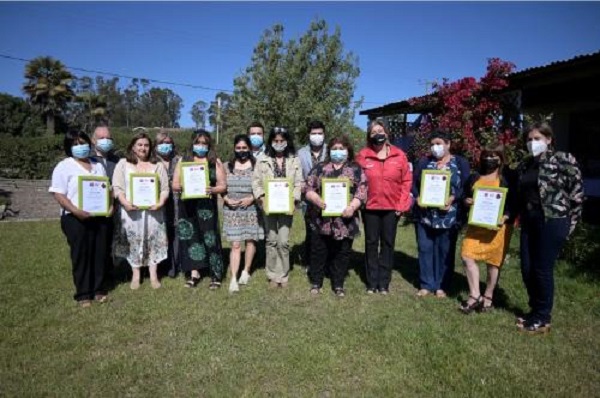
x: 80, y: 186
x: 486, y: 241
x: 550, y: 193
x: 167, y: 155
x: 337, y: 188
x: 437, y: 187
x: 141, y: 185
x: 276, y: 184
x: 389, y: 179
x: 241, y: 219
x: 200, y: 177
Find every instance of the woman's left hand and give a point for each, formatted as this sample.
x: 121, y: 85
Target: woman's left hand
x: 243, y: 203
x: 503, y: 220
x: 348, y: 212
x: 448, y: 203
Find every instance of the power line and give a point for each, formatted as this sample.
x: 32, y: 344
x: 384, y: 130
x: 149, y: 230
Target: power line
x: 189, y: 85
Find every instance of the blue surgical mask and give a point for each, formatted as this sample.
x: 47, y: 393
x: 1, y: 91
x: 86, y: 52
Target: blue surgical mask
x: 164, y: 149
x: 80, y: 151
x: 256, y: 140
x: 338, y: 155
x: 104, y: 145
x: 200, y: 150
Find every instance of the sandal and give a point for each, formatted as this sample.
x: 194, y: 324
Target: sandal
x: 486, y: 308
x: 467, y: 308
x: 339, y: 291
x: 192, y: 282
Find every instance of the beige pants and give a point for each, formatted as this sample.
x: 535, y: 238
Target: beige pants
x: 278, y: 248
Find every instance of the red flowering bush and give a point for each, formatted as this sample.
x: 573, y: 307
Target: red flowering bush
x: 471, y: 111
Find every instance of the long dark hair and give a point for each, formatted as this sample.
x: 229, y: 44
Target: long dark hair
x: 131, y: 157
x: 345, y: 141
x: 211, y: 156
x: 289, y: 150
x: 236, y: 139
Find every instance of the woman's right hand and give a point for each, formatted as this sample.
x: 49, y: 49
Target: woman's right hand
x: 81, y: 214
x: 128, y: 206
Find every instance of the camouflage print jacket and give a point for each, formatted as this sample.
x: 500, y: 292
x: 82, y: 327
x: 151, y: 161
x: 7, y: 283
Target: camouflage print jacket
x: 560, y: 184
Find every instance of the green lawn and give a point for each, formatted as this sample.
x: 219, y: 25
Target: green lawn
x: 177, y: 341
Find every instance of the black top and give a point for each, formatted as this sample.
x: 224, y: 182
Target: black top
x: 530, y: 191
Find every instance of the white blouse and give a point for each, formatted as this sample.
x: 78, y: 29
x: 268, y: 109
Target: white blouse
x: 65, y: 178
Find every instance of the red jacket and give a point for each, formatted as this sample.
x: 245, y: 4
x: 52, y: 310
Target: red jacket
x: 389, y: 180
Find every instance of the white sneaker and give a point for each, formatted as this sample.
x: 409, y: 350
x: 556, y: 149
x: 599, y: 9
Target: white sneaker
x: 245, y: 278
x: 233, y: 286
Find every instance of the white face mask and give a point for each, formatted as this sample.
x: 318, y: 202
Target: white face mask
x: 438, y: 151
x: 317, y: 139
x: 279, y: 147
x: 537, y: 147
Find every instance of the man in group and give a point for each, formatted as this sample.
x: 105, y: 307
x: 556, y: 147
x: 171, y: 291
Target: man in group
x: 311, y: 154
x: 103, y: 152
x: 256, y: 133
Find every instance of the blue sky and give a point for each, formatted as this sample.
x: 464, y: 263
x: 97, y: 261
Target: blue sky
x: 399, y: 44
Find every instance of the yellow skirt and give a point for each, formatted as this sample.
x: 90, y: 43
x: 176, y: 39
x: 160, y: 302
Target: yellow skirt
x: 487, y: 245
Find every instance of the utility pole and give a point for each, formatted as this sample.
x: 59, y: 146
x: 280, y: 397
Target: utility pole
x: 218, y: 116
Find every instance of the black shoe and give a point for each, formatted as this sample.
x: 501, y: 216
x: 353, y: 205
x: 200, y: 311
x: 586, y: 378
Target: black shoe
x: 370, y: 291
x: 339, y: 291
x: 467, y: 308
x: 535, y: 327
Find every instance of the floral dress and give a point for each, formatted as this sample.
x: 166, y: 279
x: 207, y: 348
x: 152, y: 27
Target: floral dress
x: 198, y: 233
x: 241, y: 224
x: 337, y: 227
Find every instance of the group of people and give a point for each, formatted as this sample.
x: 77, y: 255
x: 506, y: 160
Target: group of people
x: 544, y: 193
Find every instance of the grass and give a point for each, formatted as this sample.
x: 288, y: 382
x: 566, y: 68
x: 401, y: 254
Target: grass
x: 177, y: 341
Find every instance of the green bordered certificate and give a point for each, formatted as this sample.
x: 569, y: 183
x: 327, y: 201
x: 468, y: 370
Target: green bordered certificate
x: 143, y: 189
x: 435, y: 188
x: 488, y: 207
x: 94, y: 195
x: 335, y: 193
x: 279, y: 196
x: 194, y: 180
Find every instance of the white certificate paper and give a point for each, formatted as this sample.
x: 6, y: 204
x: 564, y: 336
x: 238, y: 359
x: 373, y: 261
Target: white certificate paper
x: 488, y: 206
x: 144, y: 190
x: 94, y: 195
x: 194, y: 180
x: 435, y: 187
x: 278, y: 197
x: 336, y: 195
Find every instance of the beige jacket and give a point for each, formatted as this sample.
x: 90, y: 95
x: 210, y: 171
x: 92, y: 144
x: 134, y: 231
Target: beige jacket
x: 264, y: 169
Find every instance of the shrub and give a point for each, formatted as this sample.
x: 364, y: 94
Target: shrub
x: 582, y: 250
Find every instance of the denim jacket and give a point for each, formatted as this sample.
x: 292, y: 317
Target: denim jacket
x: 560, y: 185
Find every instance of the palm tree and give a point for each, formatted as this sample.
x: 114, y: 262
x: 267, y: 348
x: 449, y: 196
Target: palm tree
x: 48, y: 87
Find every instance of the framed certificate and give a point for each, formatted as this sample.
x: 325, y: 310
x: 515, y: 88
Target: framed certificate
x: 279, y: 196
x: 94, y: 195
x: 435, y: 188
x: 488, y: 207
x: 335, y: 192
x: 194, y: 180
x: 143, y: 189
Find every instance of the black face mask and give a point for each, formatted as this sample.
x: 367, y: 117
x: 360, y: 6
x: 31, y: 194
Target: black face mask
x: 489, y: 165
x: 242, y: 155
x: 377, y: 139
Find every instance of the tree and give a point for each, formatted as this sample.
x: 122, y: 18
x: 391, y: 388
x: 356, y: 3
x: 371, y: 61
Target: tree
x: 198, y: 113
x: 48, y: 88
x: 292, y: 83
x: 18, y: 117
x: 218, y: 115
x: 159, y: 107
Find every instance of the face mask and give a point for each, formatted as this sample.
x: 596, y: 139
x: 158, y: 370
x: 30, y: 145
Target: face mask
x: 104, y: 145
x: 279, y: 147
x: 256, y: 140
x: 338, y: 155
x: 200, y: 150
x: 316, y: 139
x: 242, y: 155
x: 164, y: 149
x: 80, y: 151
x: 377, y: 139
x: 488, y: 165
x: 537, y: 147
x: 438, y: 151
